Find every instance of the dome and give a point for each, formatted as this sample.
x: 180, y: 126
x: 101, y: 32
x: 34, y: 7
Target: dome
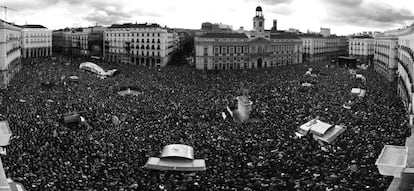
x: 258, y: 8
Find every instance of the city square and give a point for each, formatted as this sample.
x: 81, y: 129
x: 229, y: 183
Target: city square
x: 122, y: 105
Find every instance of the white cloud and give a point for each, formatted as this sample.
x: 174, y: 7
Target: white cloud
x: 300, y: 14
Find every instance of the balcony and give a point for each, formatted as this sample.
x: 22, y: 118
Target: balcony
x: 407, y: 71
x: 408, y: 50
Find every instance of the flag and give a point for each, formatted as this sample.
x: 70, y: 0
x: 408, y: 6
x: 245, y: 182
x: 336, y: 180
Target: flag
x: 229, y: 111
x: 223, y: 115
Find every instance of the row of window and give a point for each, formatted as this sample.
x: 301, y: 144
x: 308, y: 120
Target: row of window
x: 143, y: 53
x: 137, y: 40
x: 38, y: 35
x: 38, y: 40
x: 247, y: 49
x: 148, y: 47
x: 132, y: 34
x: 242, y: 65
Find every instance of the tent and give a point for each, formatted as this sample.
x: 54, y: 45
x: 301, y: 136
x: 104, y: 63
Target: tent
x: 92, y: 67
x: 355, y: 91
x: 314, y: 126
x: 321, y: 131
x: 176, y: 157
x: 361, y: 77
x: 363, y: 93
x: 123, y: 91
x: 330, y: 134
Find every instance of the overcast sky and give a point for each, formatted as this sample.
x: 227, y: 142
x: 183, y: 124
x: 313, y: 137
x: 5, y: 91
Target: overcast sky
x: 342, y: 16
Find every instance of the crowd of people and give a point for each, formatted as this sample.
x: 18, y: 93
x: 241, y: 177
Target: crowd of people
x: 182, y: 105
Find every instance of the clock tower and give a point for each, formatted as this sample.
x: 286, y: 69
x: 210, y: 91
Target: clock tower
x: 258, y: 20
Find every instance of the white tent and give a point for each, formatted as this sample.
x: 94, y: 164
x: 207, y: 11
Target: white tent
x: 315, y: 126
x: 330, y: 134
x: 355, y: 91
x: 321, y: 131
x: 92, y: 67
x: 176, y: 157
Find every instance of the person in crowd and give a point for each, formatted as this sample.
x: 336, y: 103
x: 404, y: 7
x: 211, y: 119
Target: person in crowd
x: 182, y: 105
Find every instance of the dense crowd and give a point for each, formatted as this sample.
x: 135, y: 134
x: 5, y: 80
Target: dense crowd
x: 183, y: 105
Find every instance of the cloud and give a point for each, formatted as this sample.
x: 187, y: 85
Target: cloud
x: 358, y: 13
x: 23, y: 5
x: 102, y: 17
x: 272, y: 2
x: 282, y: 9
x: 344, y: 3
x: 107, y: 13
x: 276, y: 2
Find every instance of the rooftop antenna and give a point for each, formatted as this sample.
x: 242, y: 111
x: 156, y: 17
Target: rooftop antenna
x: 5, y: 11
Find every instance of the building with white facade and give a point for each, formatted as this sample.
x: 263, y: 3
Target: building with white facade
x: 362, y: 47
x: 141, y: 44
x: 10, y: 52
x: 405, y: 63
x: 317, y: 48
x: 385, y: 55
x: 36, y: 41
x: 253, y: 49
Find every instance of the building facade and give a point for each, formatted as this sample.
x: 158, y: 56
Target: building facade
x: 215, y: 27
x: 88, y: 41
x: 362, y: 47
x: 62, y: 41
x: 385, y: 56
x: 405, y: 64
x: 36, y: 41
x: 10, y: 52
x: 79, y: 45
x: 317, y: 48
x: 140, y: 44
x: 255, y: 49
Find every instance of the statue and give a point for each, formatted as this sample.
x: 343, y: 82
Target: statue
x: 244, y: 105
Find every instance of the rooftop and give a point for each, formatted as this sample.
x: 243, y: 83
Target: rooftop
x: 284, y: 35
x: 362, y: 36
x: 224, y: 35
x: 131, y: 25
x: 33, y: 26
x: 316, y: 35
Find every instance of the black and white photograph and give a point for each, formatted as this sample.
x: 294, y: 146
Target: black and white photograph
x: 218, y: 95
